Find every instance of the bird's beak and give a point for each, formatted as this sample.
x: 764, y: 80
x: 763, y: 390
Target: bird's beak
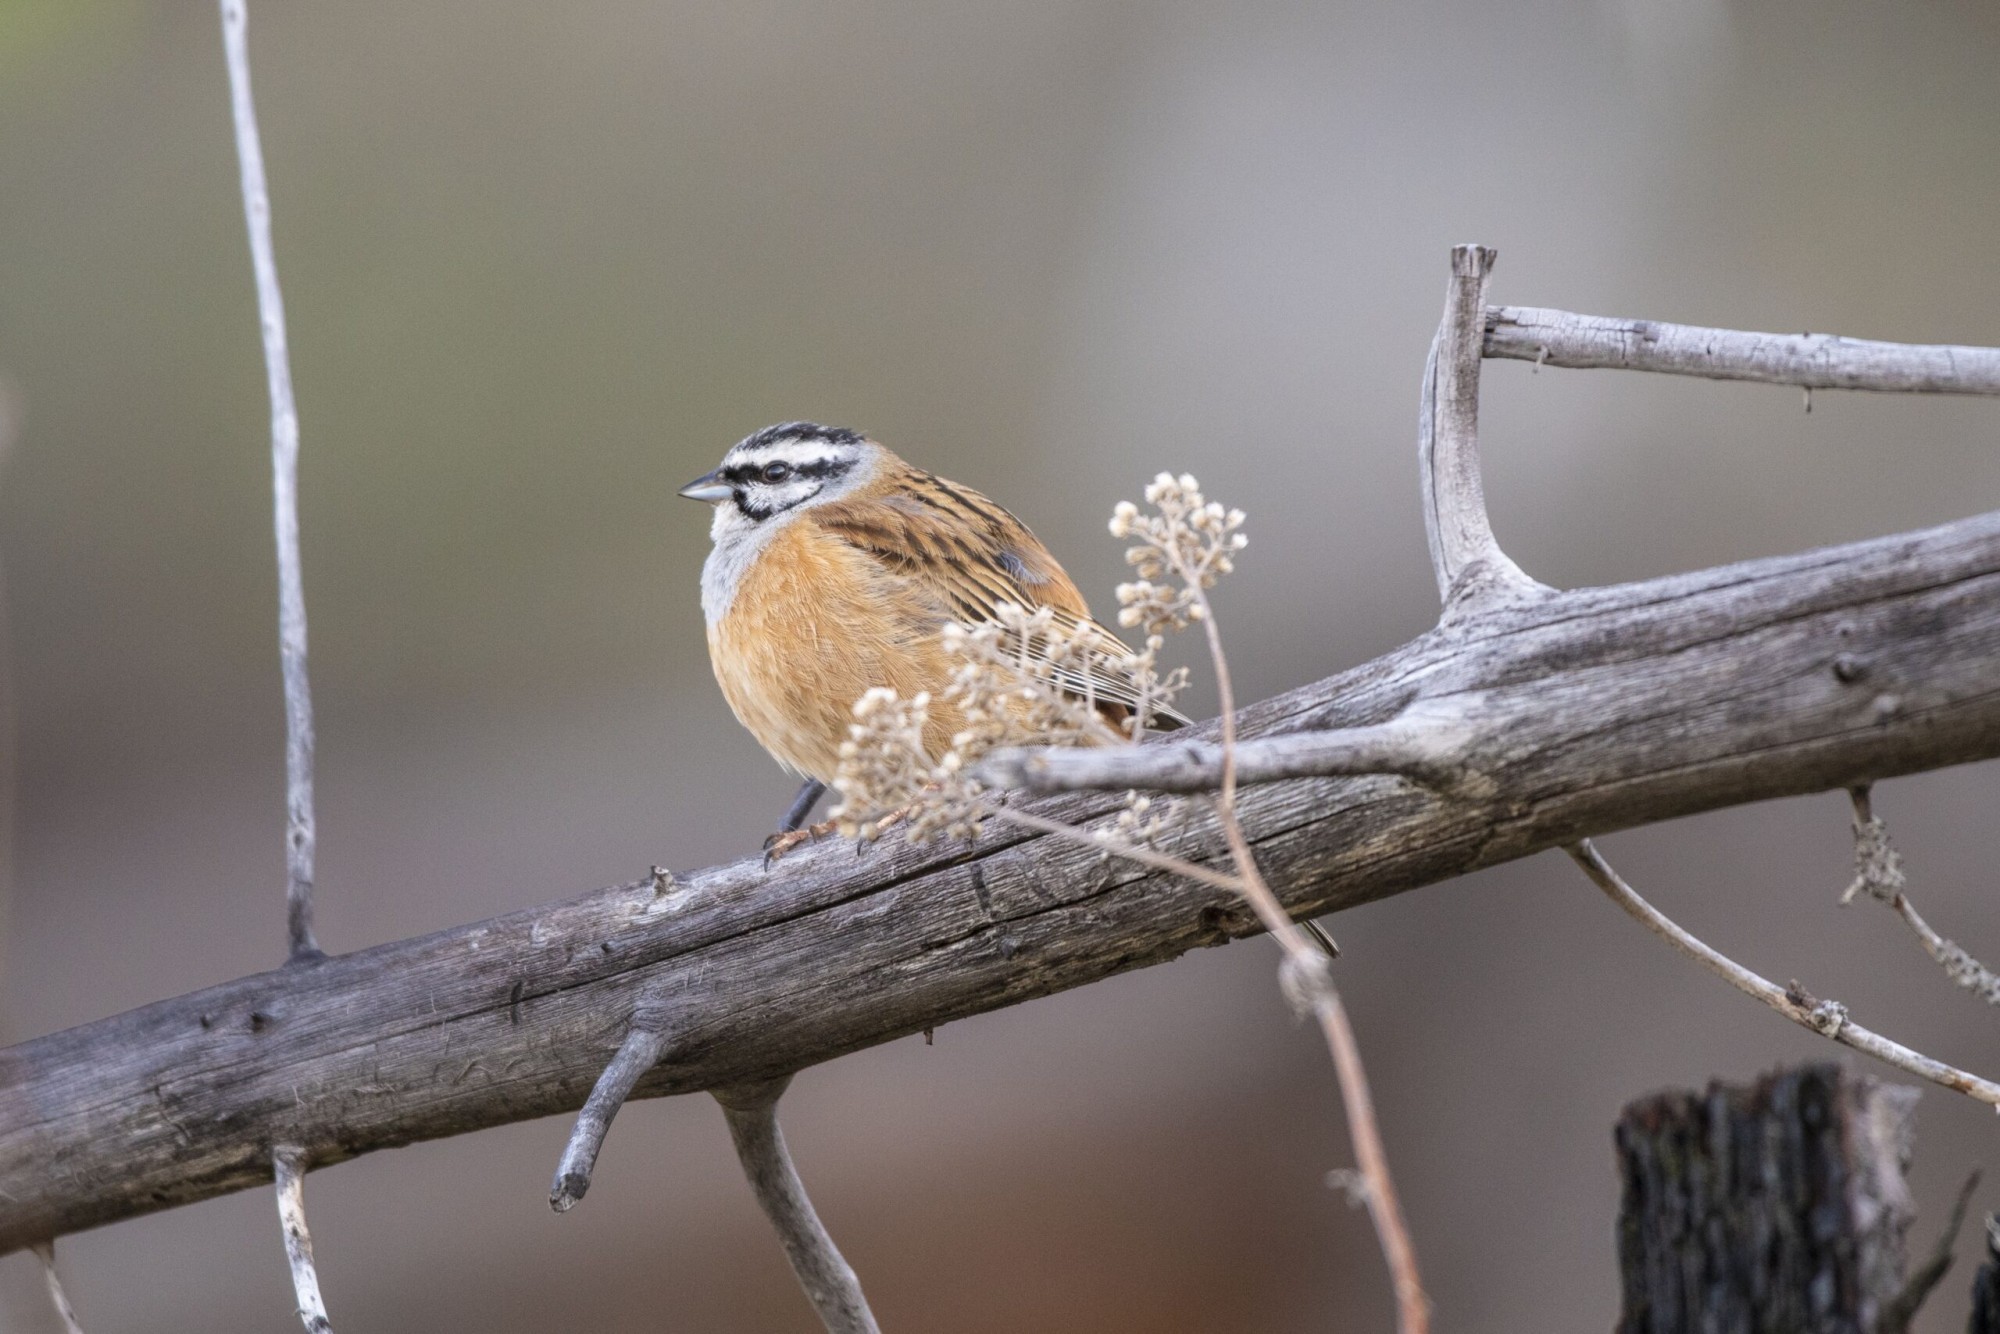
x: 708, y: 487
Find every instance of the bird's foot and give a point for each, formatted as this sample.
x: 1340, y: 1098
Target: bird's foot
x: 777, y: 845
x: 879, y: 826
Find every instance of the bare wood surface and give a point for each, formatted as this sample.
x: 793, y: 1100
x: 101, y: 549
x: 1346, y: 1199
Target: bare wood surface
x: 828, y: 1280
x: 1780, y: 1206
x: 1596, y: 709
x: 1809, y: 360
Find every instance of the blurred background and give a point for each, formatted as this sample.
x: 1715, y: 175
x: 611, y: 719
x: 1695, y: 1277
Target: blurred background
x: 544, y: 263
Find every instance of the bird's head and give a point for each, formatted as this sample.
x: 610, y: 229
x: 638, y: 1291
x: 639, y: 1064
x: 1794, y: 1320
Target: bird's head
x: 781, y: 468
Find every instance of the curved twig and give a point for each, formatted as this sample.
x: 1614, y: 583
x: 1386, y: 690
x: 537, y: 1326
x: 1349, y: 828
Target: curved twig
x: 828, y: 1280
x: 1827, y: 1018
x: 289, y: 1165
x: 644, y: 1045
x: 1465, y: 556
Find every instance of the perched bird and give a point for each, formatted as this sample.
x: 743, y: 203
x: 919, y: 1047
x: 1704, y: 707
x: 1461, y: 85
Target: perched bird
x: 835, y: 567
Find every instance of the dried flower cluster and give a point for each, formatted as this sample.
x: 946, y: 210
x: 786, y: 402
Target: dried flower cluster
x: 1193, y: 539
x: 1040, y: 678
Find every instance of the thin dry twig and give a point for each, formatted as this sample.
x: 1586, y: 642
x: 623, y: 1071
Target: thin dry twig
x: 1307, y: 978
x: 1878, y: 872
x: 1827, y: 1018
x: 45, y: 1251
x: 289, y: 1163
x: 828, y: 1280
x: 1811, y: 361
x: 644, y: 1045
x: 299, y: 828
x: 1902, y: 1308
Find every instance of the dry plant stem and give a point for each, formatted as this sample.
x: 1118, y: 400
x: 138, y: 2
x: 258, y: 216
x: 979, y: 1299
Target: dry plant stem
x: 1308, y: 972
x: 828, y: 1280
x: 1959, y: 965
x: 46, y: 1252
x: 299, y: 833
x: 1812, y: 361
x: 290, y: 1170
x: 1827, y: 1018
x: 642, y: 1049
x: 1466, y: 558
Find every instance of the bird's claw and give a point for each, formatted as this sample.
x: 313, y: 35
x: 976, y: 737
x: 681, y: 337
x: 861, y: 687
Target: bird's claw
x: 777, y: 845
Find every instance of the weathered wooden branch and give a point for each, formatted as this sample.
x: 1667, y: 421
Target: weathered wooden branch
x: 644, y: 1044
x: 1427, y: 747
x: 1599, y: 709
x: 828, y: 1280
x: 1781, y: 1206
x: 1568, y: 714
x: 1468, y: 562
x: 1811, y: 361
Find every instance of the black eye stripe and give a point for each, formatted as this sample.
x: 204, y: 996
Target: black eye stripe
x: 741, y: 473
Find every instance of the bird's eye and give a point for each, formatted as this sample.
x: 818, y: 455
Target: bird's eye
x: 777, y: 472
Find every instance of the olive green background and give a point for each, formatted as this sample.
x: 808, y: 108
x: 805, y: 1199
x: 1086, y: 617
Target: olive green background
x: 544, y: 263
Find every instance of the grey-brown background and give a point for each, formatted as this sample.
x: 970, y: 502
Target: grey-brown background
x: 545, y: 262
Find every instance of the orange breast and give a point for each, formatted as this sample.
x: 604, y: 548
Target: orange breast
x: 813, y: 625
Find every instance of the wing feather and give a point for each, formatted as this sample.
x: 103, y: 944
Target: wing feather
x: 968, y: 556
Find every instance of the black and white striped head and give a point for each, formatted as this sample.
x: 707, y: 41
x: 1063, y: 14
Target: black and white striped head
x: 780, y: 468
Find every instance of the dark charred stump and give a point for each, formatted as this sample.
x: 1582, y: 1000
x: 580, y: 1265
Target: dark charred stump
x: 1774, y: 1209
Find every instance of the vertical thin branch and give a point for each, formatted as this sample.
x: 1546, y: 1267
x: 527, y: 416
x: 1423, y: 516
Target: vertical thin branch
x: 1465, y: 556
x: 46, y: 1252
x: 289, y: 1164
x: 827, y: 1278
x: 299, y: 832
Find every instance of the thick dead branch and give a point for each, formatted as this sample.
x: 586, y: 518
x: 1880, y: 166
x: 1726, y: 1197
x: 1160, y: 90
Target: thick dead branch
x: 1599, y: 709
x: 1428, y: 749
x: 299, y: 830
x: 642, y: 1049
x: 289, y: 1165
x: 1826, y: 1018
x: 828, y: 1280
x: 45, y: 1251
x: 1814, y: 361
x: 1468, y: 562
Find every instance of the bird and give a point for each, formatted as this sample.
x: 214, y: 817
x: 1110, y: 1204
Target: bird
x: 834, y: 569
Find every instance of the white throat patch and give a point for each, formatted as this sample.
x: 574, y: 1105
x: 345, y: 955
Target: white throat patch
x: 739, y: 539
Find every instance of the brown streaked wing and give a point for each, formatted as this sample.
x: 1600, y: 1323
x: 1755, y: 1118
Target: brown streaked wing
x: 971, y: 555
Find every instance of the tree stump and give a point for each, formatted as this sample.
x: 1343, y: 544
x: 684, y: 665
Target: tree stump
x: 1779, y: 1208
